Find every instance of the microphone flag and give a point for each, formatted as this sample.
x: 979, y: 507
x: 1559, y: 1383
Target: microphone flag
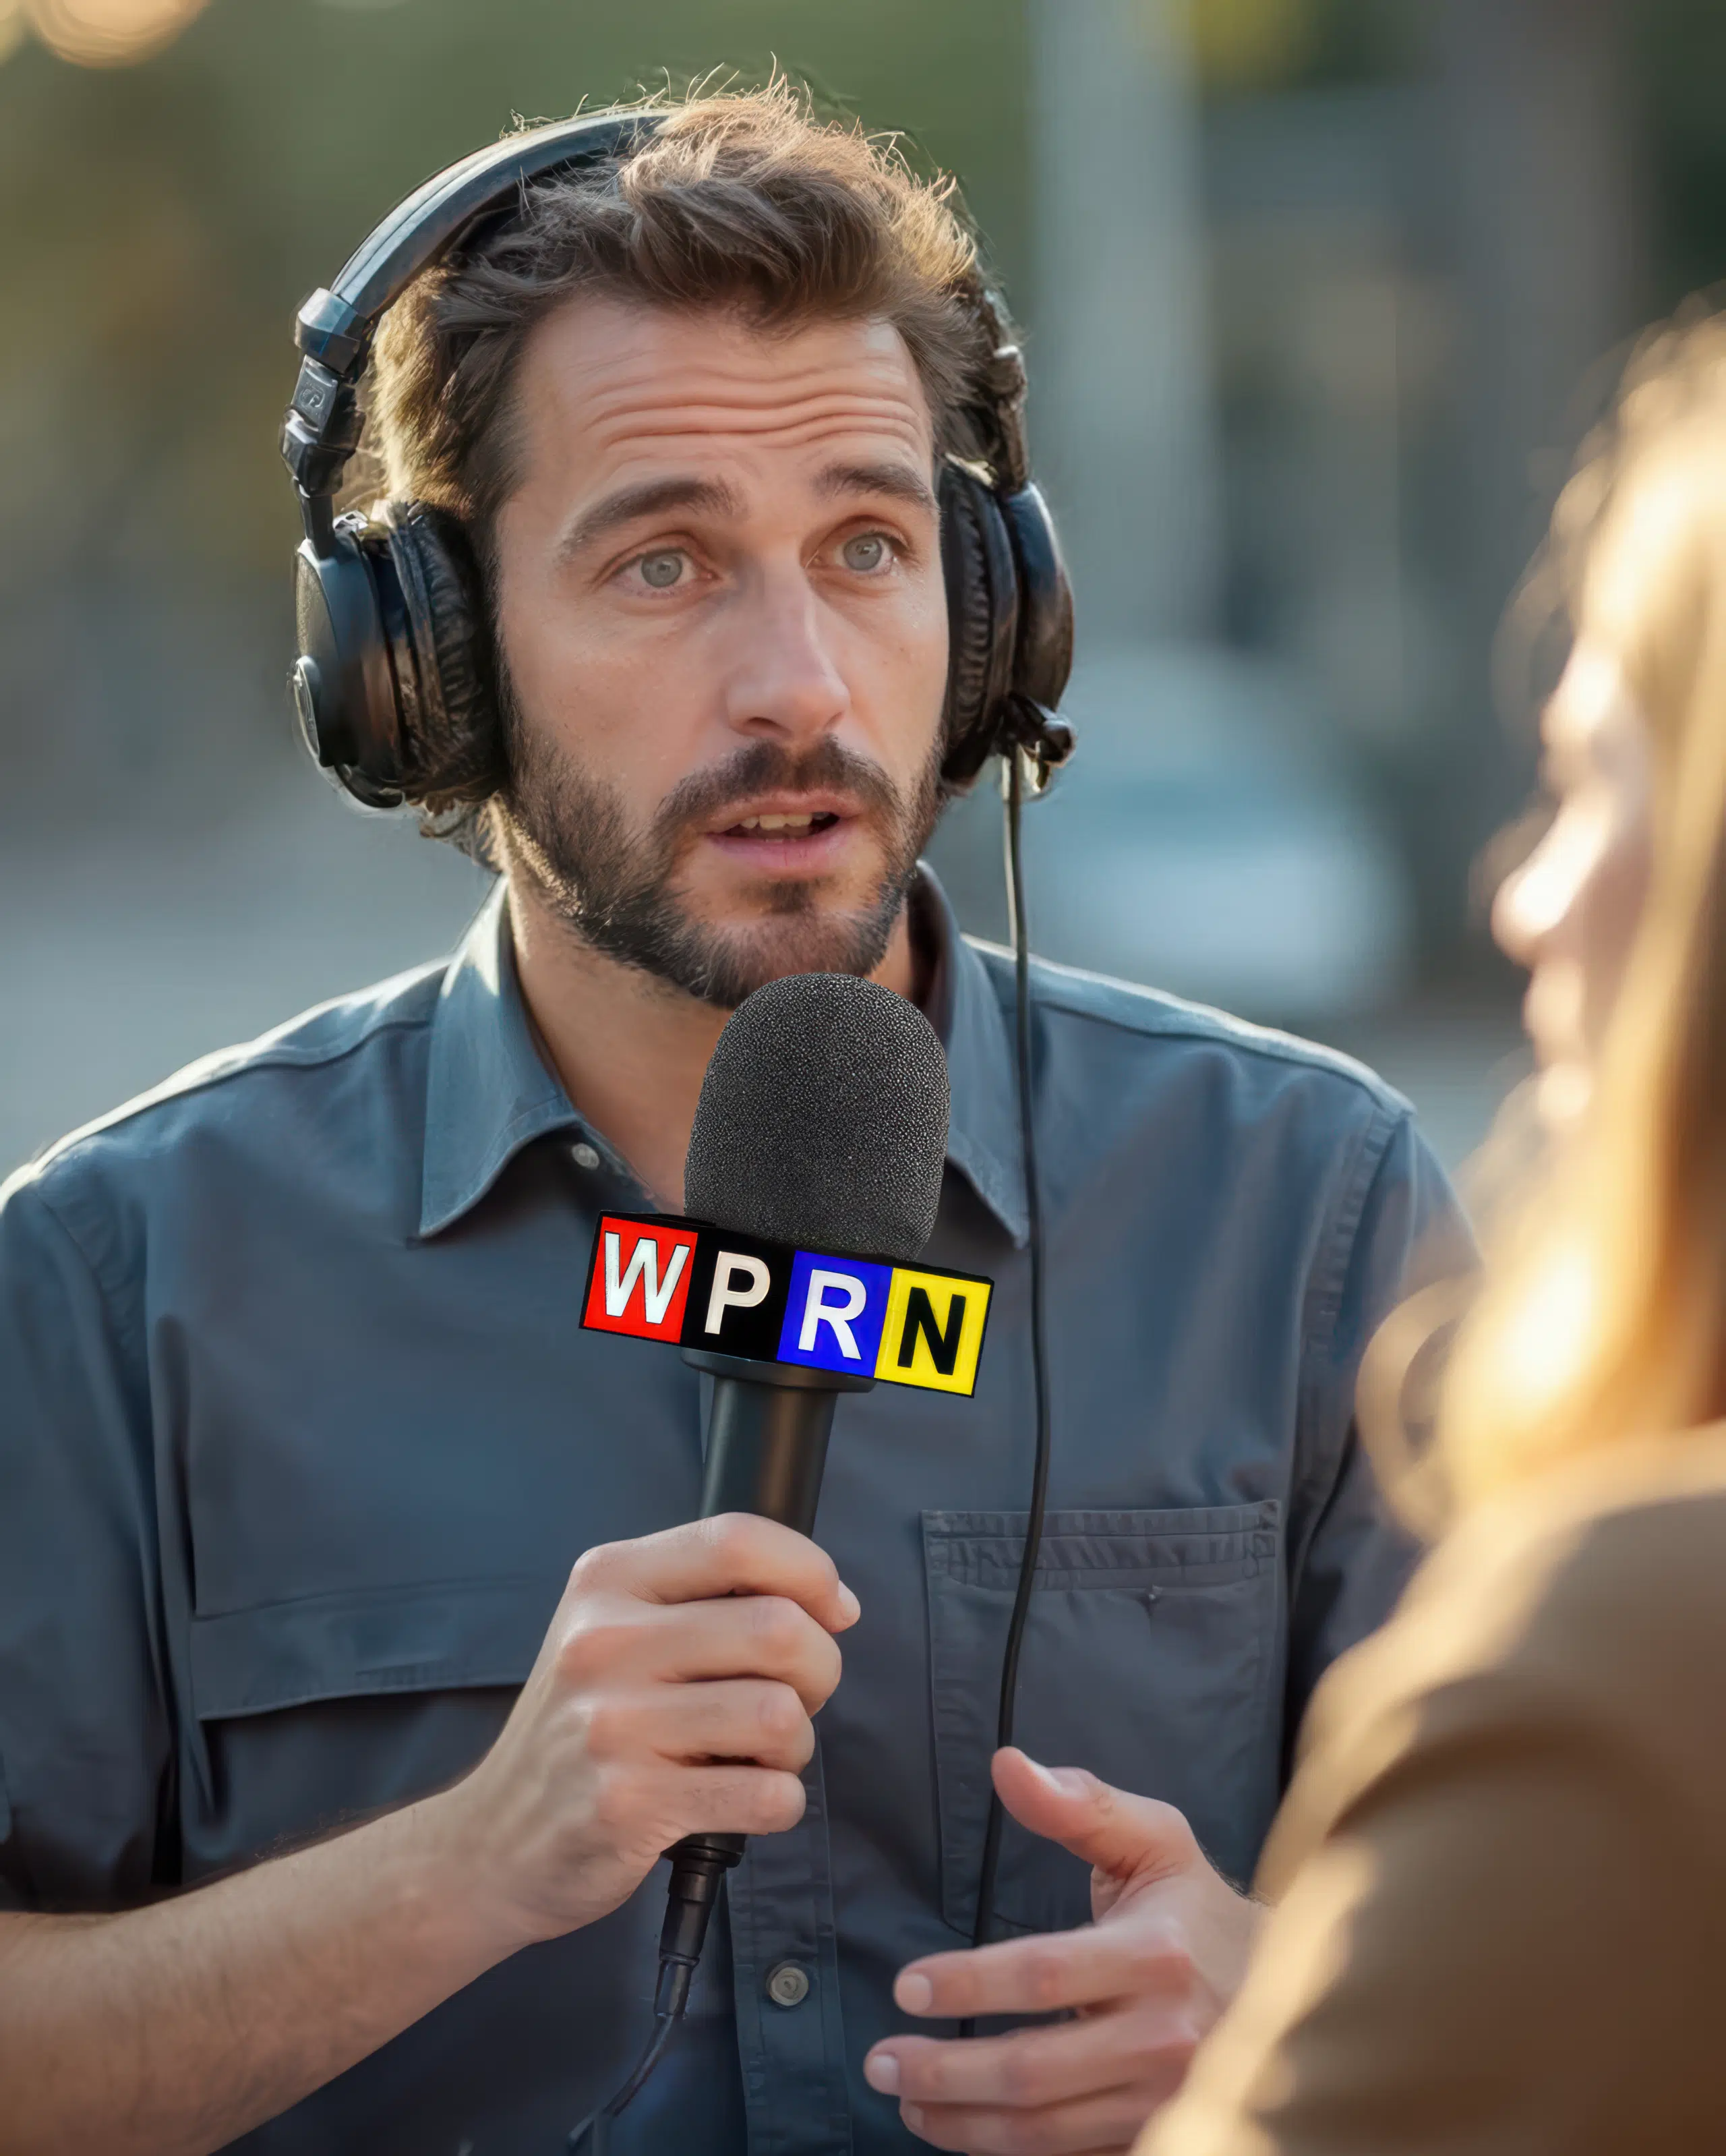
x: 653, y: 1276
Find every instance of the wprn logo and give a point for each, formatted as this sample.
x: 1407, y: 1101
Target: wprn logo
x: 678, y: 1281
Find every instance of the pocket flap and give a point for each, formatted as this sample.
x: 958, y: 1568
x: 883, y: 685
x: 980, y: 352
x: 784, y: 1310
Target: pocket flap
x: 448, y: 1635
x: 1198, y: 1546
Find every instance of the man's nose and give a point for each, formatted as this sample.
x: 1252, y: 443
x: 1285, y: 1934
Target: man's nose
x: 783, y: 681
x: 1531, y: 903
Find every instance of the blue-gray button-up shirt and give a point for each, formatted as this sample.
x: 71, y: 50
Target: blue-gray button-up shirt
x: 300, y: 1437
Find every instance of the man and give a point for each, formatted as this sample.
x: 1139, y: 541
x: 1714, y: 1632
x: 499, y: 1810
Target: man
x: 301, y: 1439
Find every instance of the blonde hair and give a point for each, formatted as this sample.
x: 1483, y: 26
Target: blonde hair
x: 1603, y: 1315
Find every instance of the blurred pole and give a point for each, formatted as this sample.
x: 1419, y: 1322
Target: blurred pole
x: 1541, y: 188
x: 1124, y: 432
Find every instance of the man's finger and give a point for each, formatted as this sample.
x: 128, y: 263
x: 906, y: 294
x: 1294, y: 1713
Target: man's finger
x: 734, y: 1553
x: 1109, y: 1828
x: 753, y: 1719
x: 1094, y: 2125
x: 1049, y: 1971
x: 1031, y: 2068
x: 753, y: 1635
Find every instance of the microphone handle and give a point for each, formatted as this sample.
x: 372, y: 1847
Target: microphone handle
x: 766, y: 1448
x: 767, y: 1436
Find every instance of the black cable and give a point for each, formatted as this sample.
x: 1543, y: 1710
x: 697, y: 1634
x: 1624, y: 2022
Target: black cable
x: 596, y: 2130
x: 698, y: 1864
x: 1039, y: 1359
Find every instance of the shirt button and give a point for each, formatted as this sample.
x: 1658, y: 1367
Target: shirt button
x: 584, y: 1156
x: 787, y: 1984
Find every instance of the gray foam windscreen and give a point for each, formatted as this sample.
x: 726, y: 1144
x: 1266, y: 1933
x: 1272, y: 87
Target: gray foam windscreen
x: 822, y: 1120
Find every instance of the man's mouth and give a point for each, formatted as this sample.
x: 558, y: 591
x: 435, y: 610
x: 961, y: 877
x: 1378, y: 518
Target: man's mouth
x: 782, y: 826
x: 789, y: 837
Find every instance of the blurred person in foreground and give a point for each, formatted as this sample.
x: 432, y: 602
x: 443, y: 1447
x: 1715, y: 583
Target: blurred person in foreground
x: 1501, y: 1870
x: 299, y: 1436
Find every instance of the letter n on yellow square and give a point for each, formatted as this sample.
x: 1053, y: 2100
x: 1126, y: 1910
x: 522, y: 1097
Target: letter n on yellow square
x: 926, y: 1339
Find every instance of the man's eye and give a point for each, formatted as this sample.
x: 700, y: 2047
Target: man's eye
x: 868, y: 552
x: 662, y: 571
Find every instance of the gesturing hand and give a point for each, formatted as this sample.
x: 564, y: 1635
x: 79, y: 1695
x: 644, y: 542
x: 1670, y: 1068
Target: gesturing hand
x: 674, y: 1691
x: 1145, y: 1979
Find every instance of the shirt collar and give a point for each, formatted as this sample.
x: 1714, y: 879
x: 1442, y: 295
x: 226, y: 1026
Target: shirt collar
x: 489, y: 1093
x: 983, y: 1139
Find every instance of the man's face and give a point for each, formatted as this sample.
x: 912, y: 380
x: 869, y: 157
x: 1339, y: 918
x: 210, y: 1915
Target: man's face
x: 725, y: 632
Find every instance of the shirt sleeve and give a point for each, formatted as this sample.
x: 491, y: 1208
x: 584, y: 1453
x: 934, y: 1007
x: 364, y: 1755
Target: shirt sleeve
x: 1349, y: 1557
x: 85, y: 1750
x: 1502, y: 1947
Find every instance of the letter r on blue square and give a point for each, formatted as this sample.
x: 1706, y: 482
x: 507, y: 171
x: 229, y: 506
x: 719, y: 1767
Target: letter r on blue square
x: 834, y: 1313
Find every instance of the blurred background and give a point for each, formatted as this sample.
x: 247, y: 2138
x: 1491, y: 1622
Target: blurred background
x: 1318, y: 294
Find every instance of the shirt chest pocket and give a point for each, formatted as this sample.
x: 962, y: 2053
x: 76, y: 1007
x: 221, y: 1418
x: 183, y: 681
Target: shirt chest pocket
x: 1147, y: 1658
x: 310, y: 1711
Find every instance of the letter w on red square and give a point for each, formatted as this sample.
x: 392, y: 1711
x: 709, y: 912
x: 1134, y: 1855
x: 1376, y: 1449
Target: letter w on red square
x: 640, y: 1279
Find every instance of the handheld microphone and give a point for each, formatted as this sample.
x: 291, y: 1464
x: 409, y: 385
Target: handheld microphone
x: 822, y: 1122
x: 821, y: 1126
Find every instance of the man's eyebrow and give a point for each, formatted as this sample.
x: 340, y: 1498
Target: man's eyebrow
x: 899, y: 482
x: 652, y: 497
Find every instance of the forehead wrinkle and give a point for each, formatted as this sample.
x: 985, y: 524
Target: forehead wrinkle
x: 746, y: 376
x: 607, y: 417
x: 733, y: 389
x: 890, y: 418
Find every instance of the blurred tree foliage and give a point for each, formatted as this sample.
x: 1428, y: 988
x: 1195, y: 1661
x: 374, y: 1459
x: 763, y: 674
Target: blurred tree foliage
x: 162, y: 223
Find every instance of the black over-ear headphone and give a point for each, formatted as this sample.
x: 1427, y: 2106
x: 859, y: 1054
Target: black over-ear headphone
x: 393, y: 628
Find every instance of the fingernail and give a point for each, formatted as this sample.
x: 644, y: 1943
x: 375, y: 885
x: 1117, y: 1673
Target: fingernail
x: 912, y: 2114
x: 1069, y: 1781
x: 914, y: 1994
x: 849, y: 1604
x: 881, y: 2071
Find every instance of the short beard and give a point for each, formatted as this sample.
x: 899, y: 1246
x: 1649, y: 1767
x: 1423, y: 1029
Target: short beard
x: 616, y: 887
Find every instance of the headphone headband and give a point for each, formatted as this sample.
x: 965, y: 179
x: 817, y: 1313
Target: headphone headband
x: 335, y: 327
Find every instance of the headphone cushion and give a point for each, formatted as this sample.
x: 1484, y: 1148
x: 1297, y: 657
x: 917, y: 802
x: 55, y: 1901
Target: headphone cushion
x: 451, y: 747
x: 982, y: 619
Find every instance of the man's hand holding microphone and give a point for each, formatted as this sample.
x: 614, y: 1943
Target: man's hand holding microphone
x: 673, y: 1693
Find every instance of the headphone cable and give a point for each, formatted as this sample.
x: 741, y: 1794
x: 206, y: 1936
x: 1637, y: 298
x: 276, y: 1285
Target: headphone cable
x: 1014, y: 793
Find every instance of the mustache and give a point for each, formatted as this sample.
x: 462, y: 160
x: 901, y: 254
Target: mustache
x: 769, y: 767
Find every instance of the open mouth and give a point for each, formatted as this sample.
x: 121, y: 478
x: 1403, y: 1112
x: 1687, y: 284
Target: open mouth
x: 781, y: 827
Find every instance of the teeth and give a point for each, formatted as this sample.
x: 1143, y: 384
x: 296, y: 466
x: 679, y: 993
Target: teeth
x: 776, y: 823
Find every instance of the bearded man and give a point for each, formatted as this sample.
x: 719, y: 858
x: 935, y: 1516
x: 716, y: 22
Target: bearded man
x: 330, y: 1793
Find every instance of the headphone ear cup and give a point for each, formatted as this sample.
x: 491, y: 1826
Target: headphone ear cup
x: 982, y: 621
x: 445, y: 679
x: 1044, y: 658
x: 344, y: 693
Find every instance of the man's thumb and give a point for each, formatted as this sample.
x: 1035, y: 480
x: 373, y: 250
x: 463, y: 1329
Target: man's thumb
x: 1117, y: 1832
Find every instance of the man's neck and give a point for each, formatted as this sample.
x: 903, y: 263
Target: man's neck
x: 631, y: 1049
